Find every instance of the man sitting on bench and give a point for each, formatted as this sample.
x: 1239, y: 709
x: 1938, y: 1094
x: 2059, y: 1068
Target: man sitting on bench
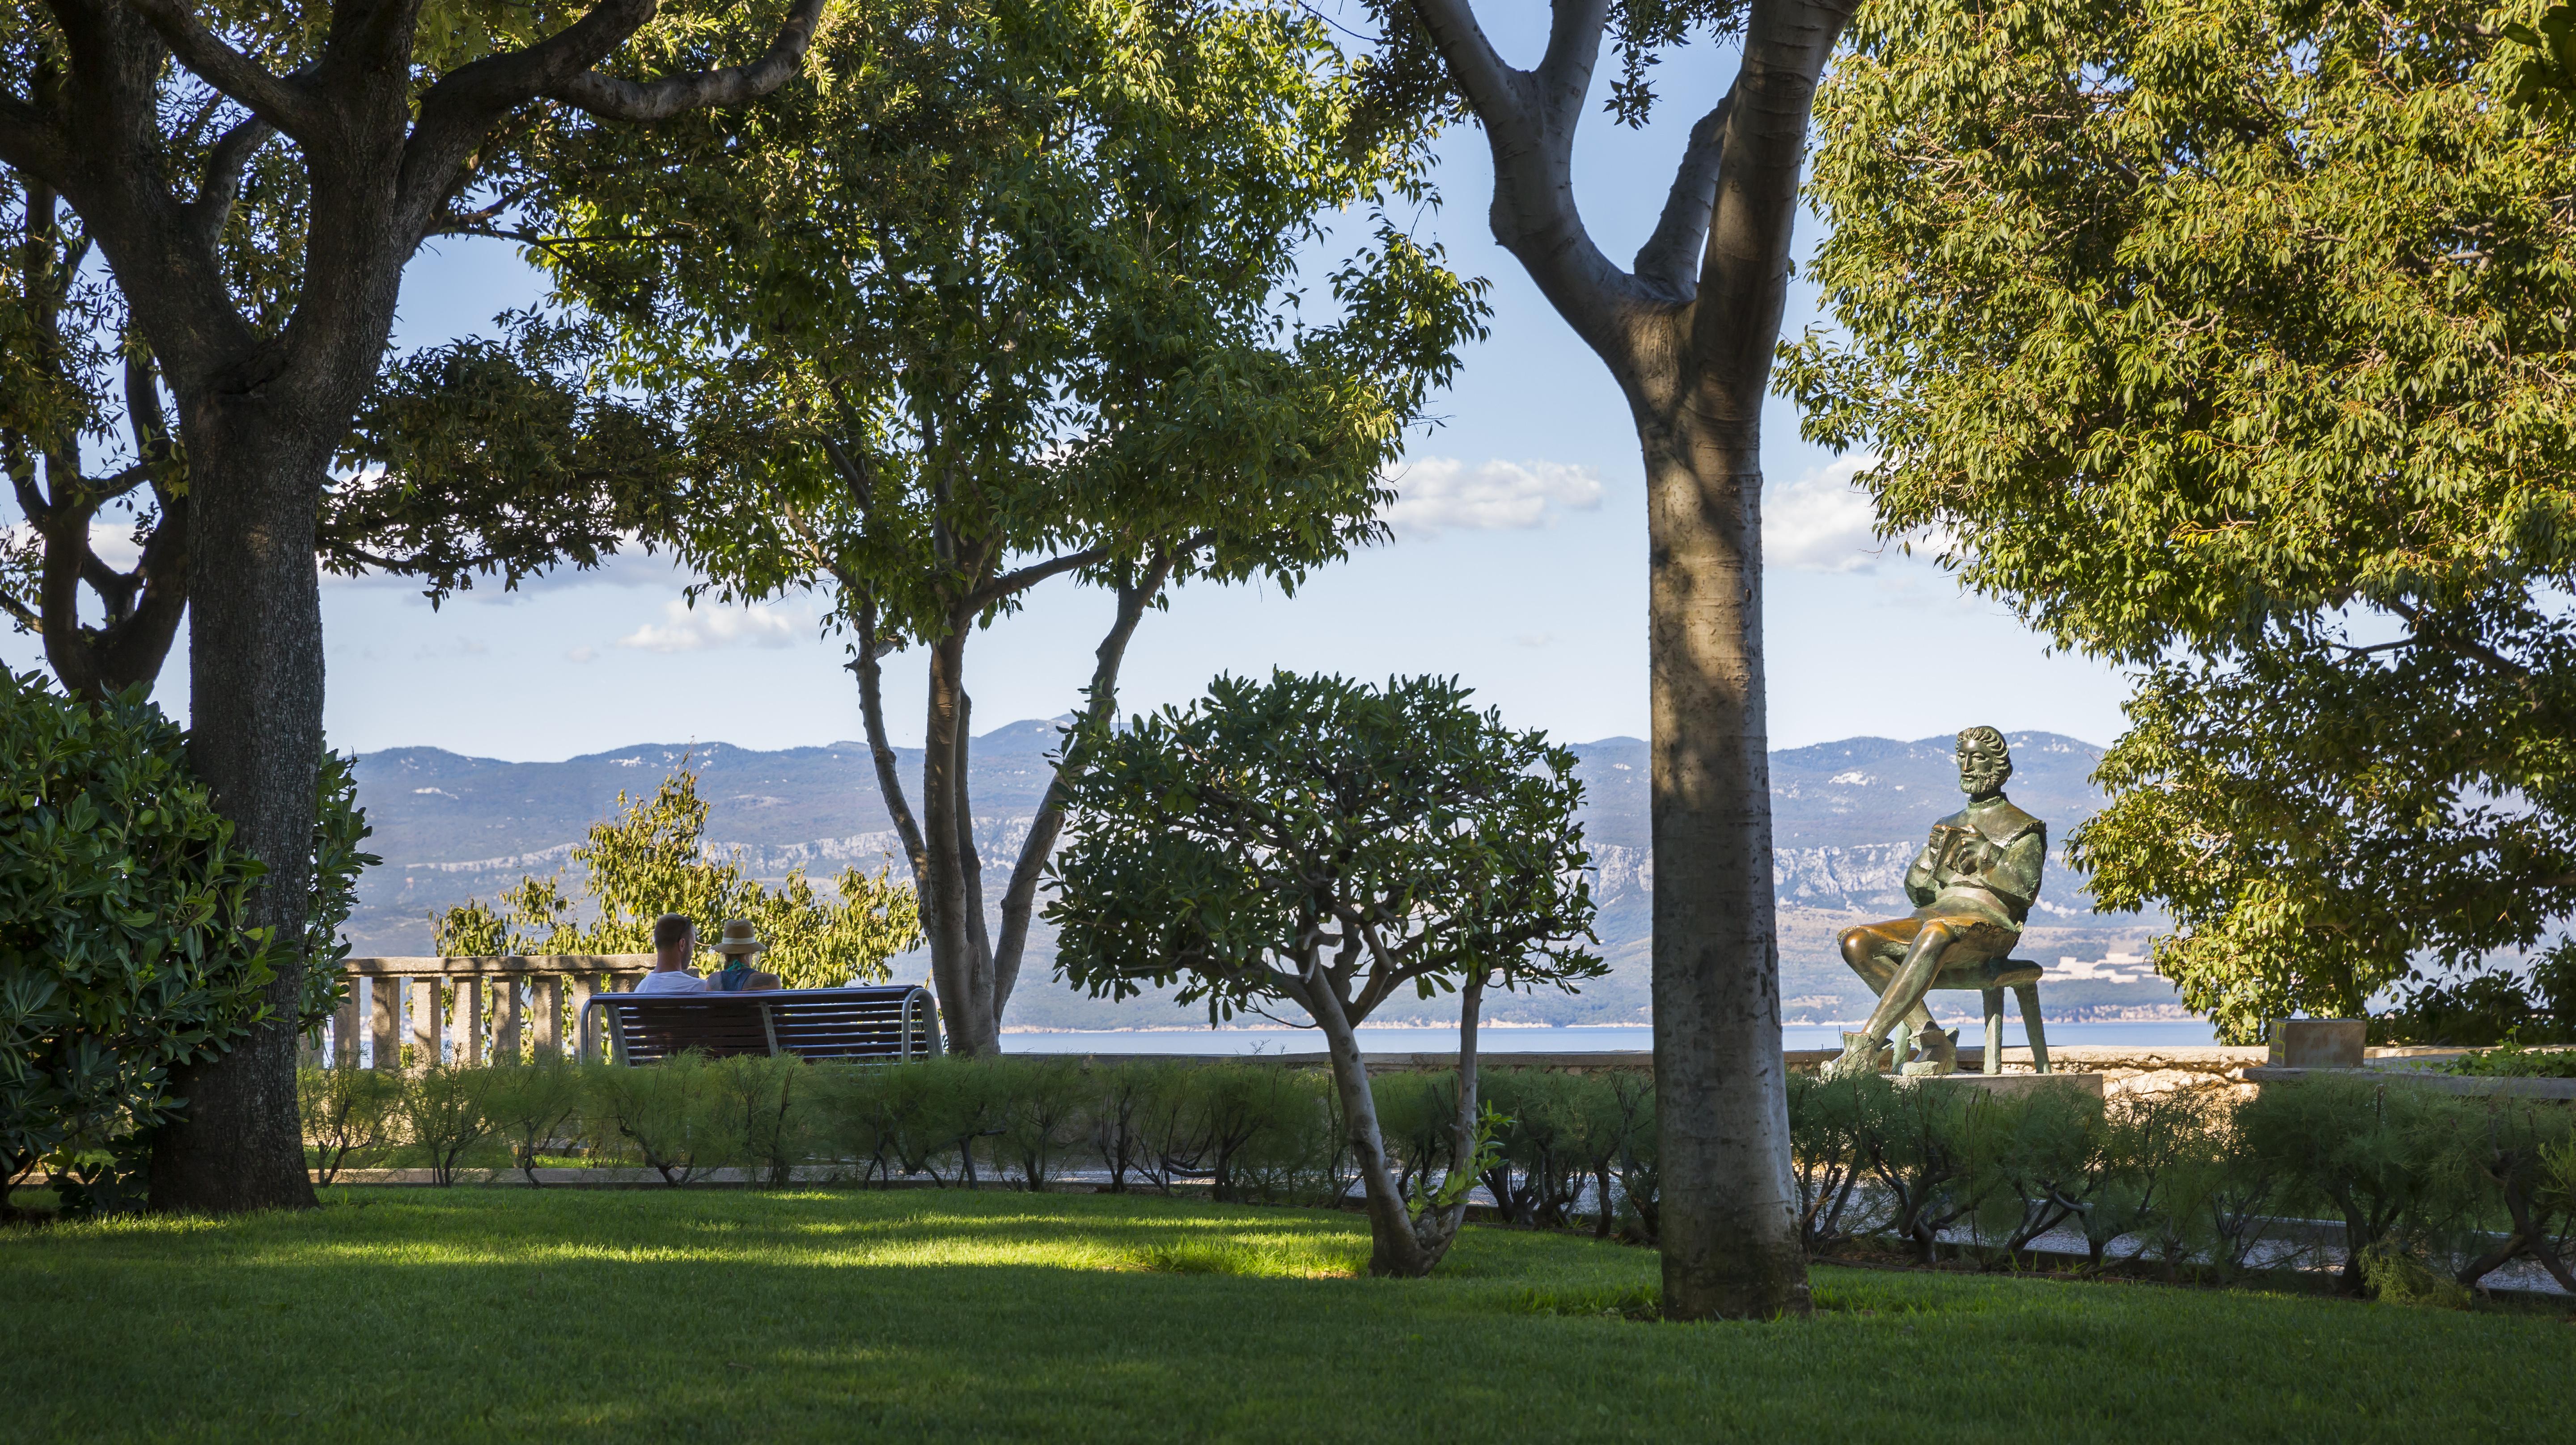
x: 675, y: 941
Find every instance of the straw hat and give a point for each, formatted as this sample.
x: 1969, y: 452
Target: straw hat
x: 738, y: 939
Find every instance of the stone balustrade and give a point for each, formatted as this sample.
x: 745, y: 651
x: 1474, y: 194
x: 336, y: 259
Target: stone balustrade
x: 470, y: 1010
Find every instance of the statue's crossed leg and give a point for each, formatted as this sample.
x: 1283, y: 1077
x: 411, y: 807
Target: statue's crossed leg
x: 1901, y: 958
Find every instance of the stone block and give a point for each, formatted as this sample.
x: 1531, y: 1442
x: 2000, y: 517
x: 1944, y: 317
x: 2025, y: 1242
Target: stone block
x: 2089, y: 1083
x: 2317, y: 1043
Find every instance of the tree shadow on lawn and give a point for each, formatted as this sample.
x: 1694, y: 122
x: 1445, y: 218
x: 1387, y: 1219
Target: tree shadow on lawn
x: 686, y: 1315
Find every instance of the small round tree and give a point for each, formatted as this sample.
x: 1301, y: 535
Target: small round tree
x: 124, y: 940
x: 1322, y: 843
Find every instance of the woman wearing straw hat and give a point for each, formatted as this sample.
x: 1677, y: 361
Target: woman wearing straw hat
x: 738, y: 945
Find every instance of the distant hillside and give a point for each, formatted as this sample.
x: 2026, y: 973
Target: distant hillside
x: 1846, y: 818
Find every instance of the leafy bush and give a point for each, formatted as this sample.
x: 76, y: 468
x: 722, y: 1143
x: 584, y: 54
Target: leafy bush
x: 1830, y: 1155
x: 2392, y: 1161
x: 674, y: 1118
x: 650, y: 860
x: 1301, y: 1154
x: 2513, y: 1061
x: 529, y: 1105
x: 445, y: 1113
x: 349, y: 1116
x: 124, y: 940
x: 1044, y: 1105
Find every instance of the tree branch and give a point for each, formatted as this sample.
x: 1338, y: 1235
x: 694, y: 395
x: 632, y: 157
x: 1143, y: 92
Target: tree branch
x: 222, y: 184
x: 30, y: 143
x: 271, y: 97
x: 610, y: 98
x: 1669, y: 261
x: 1019, y: 897
x: 457, y: 112
x: 1027, y: 577
x: 1529, y: 120
x: 1565, y: 72
x: 872, y: 715
x: 1493, y: 88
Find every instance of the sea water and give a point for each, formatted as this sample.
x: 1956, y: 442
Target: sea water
x: 1571, y: 1039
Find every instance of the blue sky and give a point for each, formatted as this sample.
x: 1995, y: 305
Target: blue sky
x: 1519, y: 563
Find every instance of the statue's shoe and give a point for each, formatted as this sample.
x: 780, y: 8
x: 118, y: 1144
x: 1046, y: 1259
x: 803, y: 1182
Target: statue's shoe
x: 1941, y: 1049
x: 1861, y: 1055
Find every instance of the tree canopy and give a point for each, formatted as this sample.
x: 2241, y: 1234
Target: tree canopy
x: 1322, y: 843
x: 2230, y: 341
x: 476, y: 458
x: 1003, y: 291
x: 651, y: 859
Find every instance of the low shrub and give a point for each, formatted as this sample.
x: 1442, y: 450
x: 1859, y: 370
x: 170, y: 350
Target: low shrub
x: 2514, y: 1061
x: 445, y: 1113
x: 2190, y: 1182
x: 675, y: 1118
x: 349, y: 1116
x: 530, y: 1106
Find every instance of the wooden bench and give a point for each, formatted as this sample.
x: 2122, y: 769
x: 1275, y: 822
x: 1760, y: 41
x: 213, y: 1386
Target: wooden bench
x: 886, y: 1024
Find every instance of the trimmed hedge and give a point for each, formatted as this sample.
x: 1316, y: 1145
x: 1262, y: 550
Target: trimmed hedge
x: 2401, y: 1190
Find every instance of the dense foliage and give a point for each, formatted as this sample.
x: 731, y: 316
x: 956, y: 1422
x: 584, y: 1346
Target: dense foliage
x: 652, y: 859
x: 1005, y: 290
x: 472, y: 459
x: 2229, y: 341
x: 124, y: 944
x: 1317, y: 841
x: 1322, y: 843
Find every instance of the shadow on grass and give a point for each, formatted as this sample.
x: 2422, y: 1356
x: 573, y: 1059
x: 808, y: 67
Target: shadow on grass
x: 819, y: 1314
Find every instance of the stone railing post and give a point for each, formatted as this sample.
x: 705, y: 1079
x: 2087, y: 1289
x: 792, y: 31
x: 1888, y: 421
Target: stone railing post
x: 583, y: 986
x: 549, y: 1001
x: 468, y: 1024
x: 344, y: 1030
x: 428, y: 1019
x: 384, y: 1022
x: 427, y: 1036
x: 505, y: 1020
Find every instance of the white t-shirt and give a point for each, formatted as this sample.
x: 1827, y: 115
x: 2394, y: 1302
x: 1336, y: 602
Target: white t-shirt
x: 671, y: 981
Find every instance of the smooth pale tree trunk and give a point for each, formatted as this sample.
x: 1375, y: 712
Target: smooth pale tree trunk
x: 1688, y: 333
x: 1400, y: 1245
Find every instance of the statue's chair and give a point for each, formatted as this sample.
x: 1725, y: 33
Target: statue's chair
x: 1991, y: 977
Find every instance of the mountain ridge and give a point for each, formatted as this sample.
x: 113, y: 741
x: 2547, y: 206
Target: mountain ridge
x: 1847, y: 816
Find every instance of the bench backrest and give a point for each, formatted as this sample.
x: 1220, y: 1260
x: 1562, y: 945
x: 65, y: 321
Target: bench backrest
x: 883, y: 1024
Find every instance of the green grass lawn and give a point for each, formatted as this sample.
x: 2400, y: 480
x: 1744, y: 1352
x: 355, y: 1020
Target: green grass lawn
x: 848, y: 1315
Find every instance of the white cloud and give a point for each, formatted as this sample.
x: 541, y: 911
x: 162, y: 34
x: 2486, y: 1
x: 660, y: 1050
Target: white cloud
x: 1535, y: 639
x: 1435, y: 494
x: 583, y: 653
x: 695, y: 629
x: 1822, y: 521
x: 113, y: 542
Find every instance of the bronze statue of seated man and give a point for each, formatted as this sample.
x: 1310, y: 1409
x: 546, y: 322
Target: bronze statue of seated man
x: 1972, y: 885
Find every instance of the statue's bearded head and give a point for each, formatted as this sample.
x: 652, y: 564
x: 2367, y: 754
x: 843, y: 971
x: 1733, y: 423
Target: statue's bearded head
x: 1985, y: 763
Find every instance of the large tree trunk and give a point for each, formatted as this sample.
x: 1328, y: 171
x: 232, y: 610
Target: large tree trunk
x: 1688, y: 334
x: 1729, y: 1228
x: 255, y: 682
